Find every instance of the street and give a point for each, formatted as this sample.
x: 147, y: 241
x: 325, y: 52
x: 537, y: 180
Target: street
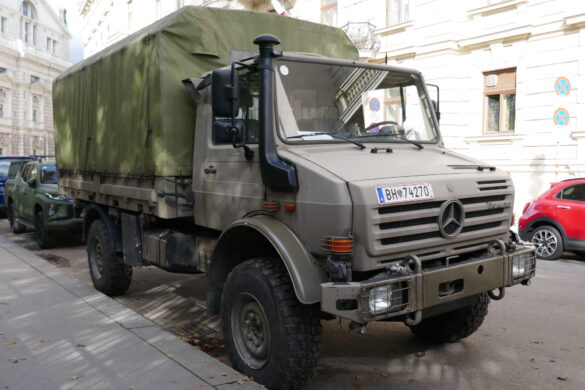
x: 533, y: 339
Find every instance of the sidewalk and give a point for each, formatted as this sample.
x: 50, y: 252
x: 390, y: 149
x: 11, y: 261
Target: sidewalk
x: 58, y: 333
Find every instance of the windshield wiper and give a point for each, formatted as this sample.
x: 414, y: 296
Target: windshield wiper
x: 419, y: 146
x: 333, y: 135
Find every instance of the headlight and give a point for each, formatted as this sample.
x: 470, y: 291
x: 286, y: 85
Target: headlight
x: 56, y: 196
x: 522, y: 265
x: 385, y: 299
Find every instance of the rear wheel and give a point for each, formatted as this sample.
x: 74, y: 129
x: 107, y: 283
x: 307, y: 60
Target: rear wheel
x: 15, y: 227
x: 41, y: 235
x: 548, y: 242
x: 108, y: 272
x: 454, y: 325
x: 269, y: 334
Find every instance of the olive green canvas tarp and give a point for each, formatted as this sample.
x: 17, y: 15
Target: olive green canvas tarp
x: 124, y: 111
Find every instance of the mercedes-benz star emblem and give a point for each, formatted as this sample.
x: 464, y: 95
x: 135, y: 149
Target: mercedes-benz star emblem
x: 451, y: 218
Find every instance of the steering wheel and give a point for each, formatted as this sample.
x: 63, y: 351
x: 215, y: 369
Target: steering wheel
x: 380, y: 123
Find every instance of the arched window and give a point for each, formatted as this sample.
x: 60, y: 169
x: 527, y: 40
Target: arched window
x: 28, y: 26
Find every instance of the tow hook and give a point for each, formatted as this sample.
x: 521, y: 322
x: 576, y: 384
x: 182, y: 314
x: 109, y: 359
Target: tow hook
x: 358, y: 328
x: 502, y: 292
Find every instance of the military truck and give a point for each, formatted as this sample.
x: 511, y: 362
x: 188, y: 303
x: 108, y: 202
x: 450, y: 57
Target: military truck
x: 307, y: 185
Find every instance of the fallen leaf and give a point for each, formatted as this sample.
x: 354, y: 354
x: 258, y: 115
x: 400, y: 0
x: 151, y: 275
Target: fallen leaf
x: 565, y: 349
x: 358, y: 377
x: 210, y: 377
x: 240, y: 382
x: 80, y: 345
x: 385, y: 374
x: 10, y: 344
x: 131, y: 387
x: 562, y: 378
x: 412, y: 380
x: 533, y: 360
x: 223, y: 374
x: 43, y: 341
x: 170, y: 355
x: 173, y: 381
x: 537, y: 342
x: 75, y: 377
x: 552, y: 361
x: 536, y: 368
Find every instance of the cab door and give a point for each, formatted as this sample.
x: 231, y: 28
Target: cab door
x: 570, y: 210
x: 229, y: 185
x: 20, y: 190
x: 28, y: 199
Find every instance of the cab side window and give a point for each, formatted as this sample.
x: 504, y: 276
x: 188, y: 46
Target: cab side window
x: 575, y: 193
x: 25, y: 172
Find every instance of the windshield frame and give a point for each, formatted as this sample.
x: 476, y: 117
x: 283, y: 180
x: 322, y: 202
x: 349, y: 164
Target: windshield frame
x: 314, y: 59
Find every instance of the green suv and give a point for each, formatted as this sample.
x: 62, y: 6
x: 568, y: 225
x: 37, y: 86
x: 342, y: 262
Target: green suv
x: 33, y: 201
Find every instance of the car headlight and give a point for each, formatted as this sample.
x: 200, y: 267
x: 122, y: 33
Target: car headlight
x: 56, y: 196
x: 385, y: 299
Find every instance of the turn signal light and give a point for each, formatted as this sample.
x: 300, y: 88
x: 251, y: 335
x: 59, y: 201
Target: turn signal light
x: 289, y: 207
x: 338, y: 245
x: 270, y: 205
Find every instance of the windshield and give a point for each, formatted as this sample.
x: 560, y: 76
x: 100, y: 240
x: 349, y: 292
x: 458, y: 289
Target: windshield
x: 49, y: 174
x: 317, y: 99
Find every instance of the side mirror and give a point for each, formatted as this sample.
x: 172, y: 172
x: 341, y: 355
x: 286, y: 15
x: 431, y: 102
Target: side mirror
x: 32, y: 183
x: 225, y: 93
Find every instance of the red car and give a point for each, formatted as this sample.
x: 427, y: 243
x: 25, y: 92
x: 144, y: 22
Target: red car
x: 555, y: 221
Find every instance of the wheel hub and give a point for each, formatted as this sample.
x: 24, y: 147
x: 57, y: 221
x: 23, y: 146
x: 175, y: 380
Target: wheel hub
x: 97, y: 259
x: 545, y: 242
x: 251, y: 331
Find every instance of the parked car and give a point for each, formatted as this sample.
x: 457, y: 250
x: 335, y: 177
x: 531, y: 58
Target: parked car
x: 554, y: 221
x: 33, y: 201
x: 4, y: 165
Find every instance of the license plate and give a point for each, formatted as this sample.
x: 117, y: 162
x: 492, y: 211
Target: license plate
x: 404, y: 193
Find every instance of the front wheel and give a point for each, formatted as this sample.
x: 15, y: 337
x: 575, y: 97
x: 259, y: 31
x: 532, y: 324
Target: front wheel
x: 548, y: 242
x: 108, y: 272
x: 269, y: 334
x: 41, y: 235
x: 454, y: 325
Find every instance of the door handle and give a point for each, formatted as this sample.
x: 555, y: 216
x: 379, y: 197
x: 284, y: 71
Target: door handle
x: 211, y: 170
x: 564, y: 207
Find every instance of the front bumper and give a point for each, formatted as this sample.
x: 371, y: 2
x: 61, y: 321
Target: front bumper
x: 419, y: 289
x: 73, y: 225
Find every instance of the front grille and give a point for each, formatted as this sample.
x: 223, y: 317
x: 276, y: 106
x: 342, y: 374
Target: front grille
x: 414, y: 227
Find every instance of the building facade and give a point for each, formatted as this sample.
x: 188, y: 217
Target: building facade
x: 34, y: 48
x: 511, y: 73
x: 511, y: 76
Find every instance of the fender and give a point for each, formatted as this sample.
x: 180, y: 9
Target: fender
x: 93, y: 212
x: 548, y: 221
x: 304, y: 271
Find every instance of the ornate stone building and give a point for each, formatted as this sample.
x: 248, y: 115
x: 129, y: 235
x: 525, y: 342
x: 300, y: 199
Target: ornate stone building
x: 34, y: 48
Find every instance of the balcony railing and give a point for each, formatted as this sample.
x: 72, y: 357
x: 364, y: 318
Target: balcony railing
x: 362, y: 35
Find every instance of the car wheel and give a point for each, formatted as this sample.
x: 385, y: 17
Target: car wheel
x: 454, y: 325
x: 108, y: 272
x: 41, y: 235
x: 269, y: 334
x: 15, y: 227
x: 548, y: 242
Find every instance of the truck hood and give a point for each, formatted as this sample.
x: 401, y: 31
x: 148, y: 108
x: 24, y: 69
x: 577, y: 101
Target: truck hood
x: 353, y: 165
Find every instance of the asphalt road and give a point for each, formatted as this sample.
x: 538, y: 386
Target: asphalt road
x: 533, y: 339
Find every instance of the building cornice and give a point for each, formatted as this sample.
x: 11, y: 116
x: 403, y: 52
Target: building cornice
x: 496, y: 8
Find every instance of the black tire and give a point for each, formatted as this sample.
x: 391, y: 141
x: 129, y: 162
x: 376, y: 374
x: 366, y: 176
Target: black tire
x: 455, y: 325
x: 108, y: 272
x: 261, y: 313
x: 548, y: 242
x: 15, y: 227
x: 41, y: 235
